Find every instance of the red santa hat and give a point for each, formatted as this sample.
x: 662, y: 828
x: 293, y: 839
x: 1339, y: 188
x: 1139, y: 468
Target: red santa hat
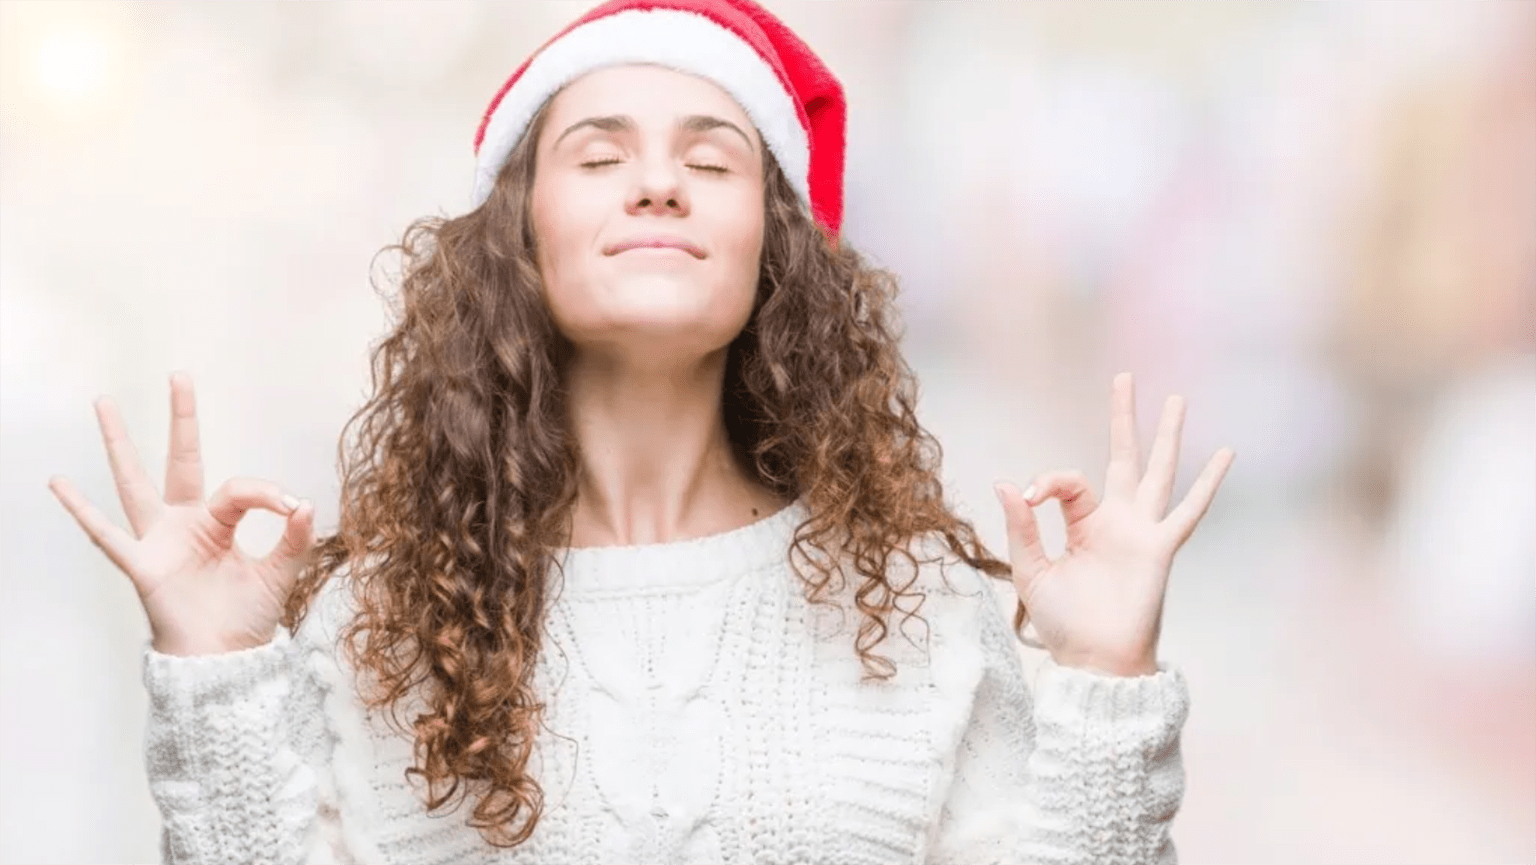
x: 792, y: 98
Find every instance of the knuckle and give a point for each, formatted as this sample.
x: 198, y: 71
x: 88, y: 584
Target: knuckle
x: 230, y: 490
x: 244, y: 485
x: 249, y: 489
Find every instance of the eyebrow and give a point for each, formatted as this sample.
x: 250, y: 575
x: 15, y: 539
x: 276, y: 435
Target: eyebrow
x: 624, y: 123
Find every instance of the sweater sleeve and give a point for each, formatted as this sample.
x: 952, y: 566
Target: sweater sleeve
x: 234, y: 747
x: 1087, y: 770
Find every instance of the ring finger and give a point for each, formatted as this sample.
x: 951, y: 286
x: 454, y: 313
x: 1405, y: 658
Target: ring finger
x: 141, y: 502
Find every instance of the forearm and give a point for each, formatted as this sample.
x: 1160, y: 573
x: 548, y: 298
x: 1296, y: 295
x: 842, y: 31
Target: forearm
x: 221, y: 769
x: 1106, y: 776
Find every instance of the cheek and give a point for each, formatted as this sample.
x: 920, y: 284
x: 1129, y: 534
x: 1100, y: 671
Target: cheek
x: 743, y: 236
x: 558, y: 227
x: 546, y: 232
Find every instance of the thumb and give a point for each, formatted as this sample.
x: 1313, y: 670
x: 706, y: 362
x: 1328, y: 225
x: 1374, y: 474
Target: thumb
x: 293, y: 548
x: 1024, y: 548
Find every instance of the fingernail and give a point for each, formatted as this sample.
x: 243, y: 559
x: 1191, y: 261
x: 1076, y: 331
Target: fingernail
x: 290, y: 502
x: 998, y: 488
x: 1029, y: 493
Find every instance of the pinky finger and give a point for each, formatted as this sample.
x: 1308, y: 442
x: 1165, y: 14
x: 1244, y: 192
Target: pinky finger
x: 1191, y: 510
x: 106, y: 535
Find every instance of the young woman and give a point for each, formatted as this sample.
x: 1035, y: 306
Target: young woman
x: 636, y: 528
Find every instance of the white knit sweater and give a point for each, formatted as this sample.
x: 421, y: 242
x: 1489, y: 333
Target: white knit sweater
x: 701, y: 711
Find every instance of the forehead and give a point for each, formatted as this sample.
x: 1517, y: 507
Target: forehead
x: 646, y: 92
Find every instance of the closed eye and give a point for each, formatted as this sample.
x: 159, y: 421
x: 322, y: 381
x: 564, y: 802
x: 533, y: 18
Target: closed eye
x: 598, y: 163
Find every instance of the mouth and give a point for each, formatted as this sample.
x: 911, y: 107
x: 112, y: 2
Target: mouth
x: 676, y: 244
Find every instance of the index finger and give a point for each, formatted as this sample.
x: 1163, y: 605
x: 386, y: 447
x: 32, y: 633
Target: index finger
x: 184, y: 467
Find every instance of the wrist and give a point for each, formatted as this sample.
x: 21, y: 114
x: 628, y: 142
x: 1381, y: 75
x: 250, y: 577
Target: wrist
x: 191, y: 647
x: 1145, y: 665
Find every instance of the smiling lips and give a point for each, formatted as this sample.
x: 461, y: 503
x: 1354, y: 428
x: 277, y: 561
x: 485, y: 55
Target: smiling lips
x: 659, y: 241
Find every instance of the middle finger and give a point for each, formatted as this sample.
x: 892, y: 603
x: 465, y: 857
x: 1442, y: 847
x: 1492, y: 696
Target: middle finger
x: 1124, y: 451
x: 184, y: 469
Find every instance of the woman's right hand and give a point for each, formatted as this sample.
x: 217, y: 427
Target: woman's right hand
x: 202, y: 593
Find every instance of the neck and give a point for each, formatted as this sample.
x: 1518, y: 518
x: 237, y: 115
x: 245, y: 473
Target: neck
x: 656, y: 462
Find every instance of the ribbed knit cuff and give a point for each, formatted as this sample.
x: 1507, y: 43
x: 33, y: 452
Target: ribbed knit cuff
x: 178, y: 683
x: 1071, y: 697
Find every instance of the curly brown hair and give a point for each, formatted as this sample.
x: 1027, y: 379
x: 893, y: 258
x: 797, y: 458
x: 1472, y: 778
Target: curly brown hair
x: 458, y: 489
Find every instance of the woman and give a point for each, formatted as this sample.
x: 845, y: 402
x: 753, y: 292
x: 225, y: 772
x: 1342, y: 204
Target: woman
x: 628, y: 525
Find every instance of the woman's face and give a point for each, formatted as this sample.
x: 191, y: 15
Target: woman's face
x: 648, y: 213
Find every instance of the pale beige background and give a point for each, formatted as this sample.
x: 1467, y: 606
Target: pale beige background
x: 1315, y: 221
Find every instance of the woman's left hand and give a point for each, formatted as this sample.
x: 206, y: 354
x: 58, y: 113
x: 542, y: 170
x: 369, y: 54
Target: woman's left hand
x: 1099, y: 605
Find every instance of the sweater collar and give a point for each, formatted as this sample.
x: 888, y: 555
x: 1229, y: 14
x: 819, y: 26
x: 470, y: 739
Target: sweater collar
x: 692, y: 562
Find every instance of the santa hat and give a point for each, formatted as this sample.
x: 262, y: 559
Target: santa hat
x: 792, y: 98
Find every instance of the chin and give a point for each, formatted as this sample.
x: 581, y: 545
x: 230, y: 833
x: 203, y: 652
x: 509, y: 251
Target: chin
x: 660, y: 306
x: 703, y: 330
x: 662, y: 300
x: 681, y: 330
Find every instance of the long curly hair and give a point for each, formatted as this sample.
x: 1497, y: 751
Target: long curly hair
x: 458, y: 474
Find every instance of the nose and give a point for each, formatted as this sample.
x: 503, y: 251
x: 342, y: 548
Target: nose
x: 658, y: 189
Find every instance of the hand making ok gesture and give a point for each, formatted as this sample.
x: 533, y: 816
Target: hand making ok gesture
x: 202, y: 593
x: 1099, y: 605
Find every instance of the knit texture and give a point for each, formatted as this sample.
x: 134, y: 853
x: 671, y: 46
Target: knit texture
x: 699, y: 710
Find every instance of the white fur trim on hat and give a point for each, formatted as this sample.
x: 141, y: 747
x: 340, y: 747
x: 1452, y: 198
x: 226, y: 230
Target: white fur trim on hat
x: 680, y: 40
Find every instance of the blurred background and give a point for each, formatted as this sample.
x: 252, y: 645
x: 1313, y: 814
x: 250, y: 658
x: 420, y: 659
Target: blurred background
x: 1316, y: 221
